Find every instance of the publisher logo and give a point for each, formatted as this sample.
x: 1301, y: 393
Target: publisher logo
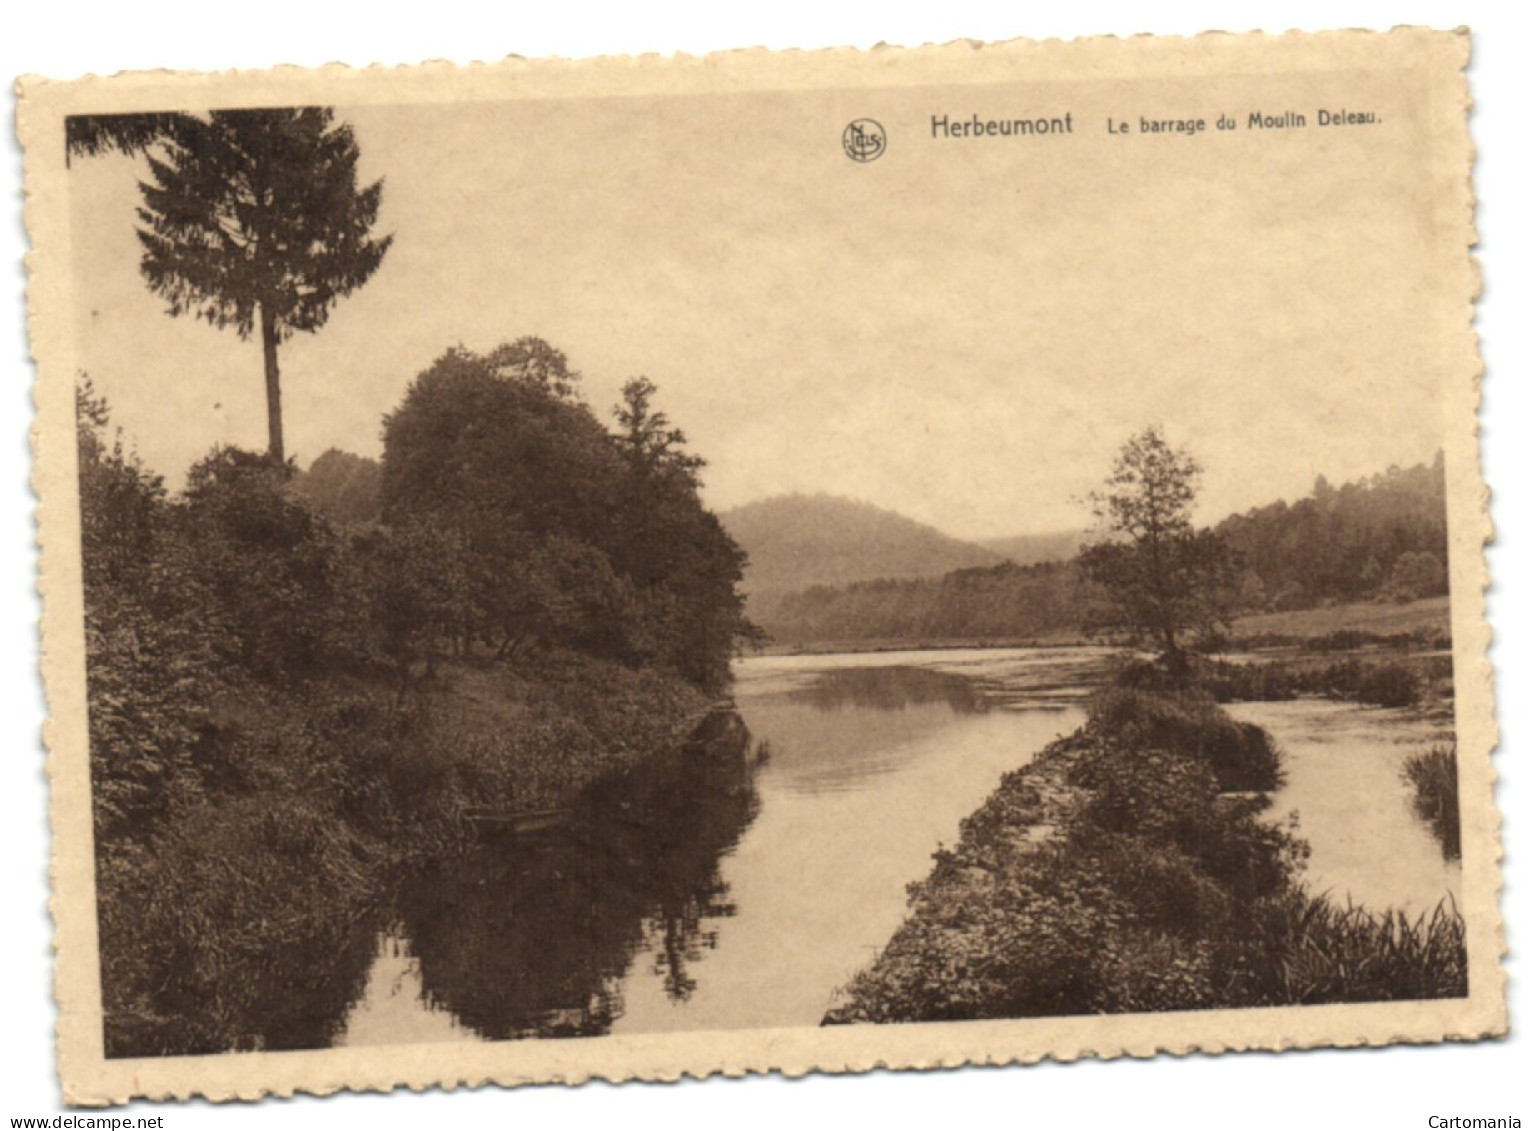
x: 864, y: 140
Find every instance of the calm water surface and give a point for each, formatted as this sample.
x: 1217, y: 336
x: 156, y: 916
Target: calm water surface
x: 738, y: 883
x: 1344, y: 765
x: 738, y: 886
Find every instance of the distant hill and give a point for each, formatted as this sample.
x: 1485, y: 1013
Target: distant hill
x: 342, y: 487
x: 799, y: 541
x: 1382, y: 539
x: 1029, y: 549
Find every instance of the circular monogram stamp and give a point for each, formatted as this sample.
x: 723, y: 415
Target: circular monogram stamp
x: 864, y: 140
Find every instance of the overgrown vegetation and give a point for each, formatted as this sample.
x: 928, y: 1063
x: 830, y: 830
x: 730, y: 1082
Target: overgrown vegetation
x: 990, y: 602
x: 1387, y: 680
x: 285, y: 712
x: 1117, y: 873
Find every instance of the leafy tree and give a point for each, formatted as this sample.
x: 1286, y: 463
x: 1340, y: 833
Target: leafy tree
x: 342, y: 487
x: 1162, y: 578
x: 251, y: 219
x: 572, y: 536
x: 646, y: 437
x: 686, y: 566
x: 274, y: 573
x: 1416, y: 574
x: 489, y: 447
x: 414, y: 580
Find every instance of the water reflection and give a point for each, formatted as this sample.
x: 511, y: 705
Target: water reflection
x: 1343, y: 766
x: 892, y: 688
x: 719, y: 891
x: 532, y: 937
x: 855, y: 798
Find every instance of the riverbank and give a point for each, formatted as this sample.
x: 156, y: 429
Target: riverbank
x: 1128, y: 868
x: 1417, y: 624
x: 235, y: 926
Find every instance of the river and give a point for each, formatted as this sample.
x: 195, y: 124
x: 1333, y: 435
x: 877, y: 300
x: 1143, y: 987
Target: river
x: 737, y: 885
x: 1344, y: 765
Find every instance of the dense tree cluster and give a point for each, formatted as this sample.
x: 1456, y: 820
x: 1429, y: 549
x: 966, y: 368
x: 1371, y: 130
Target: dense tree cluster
x: 564, y: 533
x: 1380, y: 537
x: 257, y: 645
x: 1003, y: 601
x: 342, y: 487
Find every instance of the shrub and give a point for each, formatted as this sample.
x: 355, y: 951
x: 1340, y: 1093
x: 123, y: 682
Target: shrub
x: 1240, y: 755
x: 1342, y: 640
x: 1229, y: 683
x: 1388, y: 685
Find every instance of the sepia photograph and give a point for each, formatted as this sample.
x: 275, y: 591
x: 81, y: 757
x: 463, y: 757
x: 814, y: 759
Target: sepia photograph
x: 767, y: 561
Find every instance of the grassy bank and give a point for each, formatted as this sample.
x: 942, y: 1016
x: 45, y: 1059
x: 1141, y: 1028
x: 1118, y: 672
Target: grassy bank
x: 1417, y: 625
x: 244, y: 921
x: 1378, y: 679
x: 1120, y: 871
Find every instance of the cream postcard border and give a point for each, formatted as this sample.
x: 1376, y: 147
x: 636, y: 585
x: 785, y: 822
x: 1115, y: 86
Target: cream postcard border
x: 88, y: 1078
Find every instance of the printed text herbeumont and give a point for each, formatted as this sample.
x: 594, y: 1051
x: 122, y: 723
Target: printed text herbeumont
x: 973, y: 126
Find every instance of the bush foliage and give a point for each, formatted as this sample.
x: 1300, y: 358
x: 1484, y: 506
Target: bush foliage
x: 285, y: 709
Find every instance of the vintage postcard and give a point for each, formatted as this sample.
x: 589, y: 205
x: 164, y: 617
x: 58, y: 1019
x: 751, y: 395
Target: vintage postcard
x: 770, y: 562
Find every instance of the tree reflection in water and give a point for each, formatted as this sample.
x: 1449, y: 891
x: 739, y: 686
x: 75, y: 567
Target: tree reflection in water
x: 532, y: 938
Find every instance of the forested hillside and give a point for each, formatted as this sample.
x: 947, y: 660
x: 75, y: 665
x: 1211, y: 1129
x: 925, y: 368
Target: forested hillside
x: 1380, y: 538
x: 1383, y: 536
x: 1029, y: 549
x: 797, y: 541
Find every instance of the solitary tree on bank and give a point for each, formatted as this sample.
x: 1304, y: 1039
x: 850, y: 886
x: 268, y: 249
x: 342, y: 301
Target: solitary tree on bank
x: 250, y: 218
x: 1163, y: 579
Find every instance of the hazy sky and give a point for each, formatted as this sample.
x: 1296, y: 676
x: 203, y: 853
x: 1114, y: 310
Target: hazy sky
x: 963, y: 331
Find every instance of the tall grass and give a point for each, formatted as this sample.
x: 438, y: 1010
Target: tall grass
x: 1433, y: 775
x: 1309, y: 950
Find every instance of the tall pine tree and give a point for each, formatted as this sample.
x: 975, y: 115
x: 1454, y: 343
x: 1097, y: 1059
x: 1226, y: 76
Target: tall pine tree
x: 253, y: 218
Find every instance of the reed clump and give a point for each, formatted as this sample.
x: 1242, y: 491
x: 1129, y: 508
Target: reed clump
x: 1433, y: 776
